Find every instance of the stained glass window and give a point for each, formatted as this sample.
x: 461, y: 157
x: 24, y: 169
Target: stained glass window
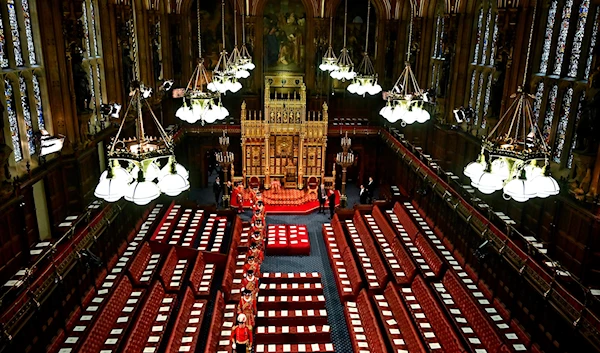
x: 562, y: 37
x: 478, y: 105
x: 539, y: 95
x: 27, y: 115
x: 494, y: 40
x: 478, y: 38
x: 576, y: 50
x: 437, y: 37
x: 92, y: 87
x: 575, y: 125
x: 28, y: 31
x: 561, y: 129
x: 485, y: 46
x: 548, y: 37
x: 588, y: 66
x: 471, y: 99
x: 12, y: 120
x: 93, y: 28
x: 486, y: 100
x: 548, y: 118
x: 37, y: 94
x: 86, y: 32
x: 3, y: 55
x: 14, y: 30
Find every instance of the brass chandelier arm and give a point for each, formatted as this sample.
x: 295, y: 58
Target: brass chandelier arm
x: 410, y: 25
x: 168, y: 140
x: 199, y: 31
x: 502, y: 119
x: 368, y: 18
x: 116, y: 138
x: 345, y: 20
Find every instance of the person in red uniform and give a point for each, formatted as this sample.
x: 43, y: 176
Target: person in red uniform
x: 247, y: 306
x: 241, y: 336
x: 257, y: 238
x: 258, y: 215
x: 250, y: 282
x: 251, y: 264
x: 256, y: 251
x: 240, y: 198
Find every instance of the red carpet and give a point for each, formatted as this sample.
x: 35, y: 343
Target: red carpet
x: 300, y: 208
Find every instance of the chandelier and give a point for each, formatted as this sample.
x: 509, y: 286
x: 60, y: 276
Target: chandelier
x: 406, y: 101
x: 245, y: 58
x: 366, y: 78
x: 235, y: 59
x: 199, y: 104
x: 329, y: 61
x: 344, y: 69
x: 224, y: 76
x: 140, y: 168
x: 514, y: 156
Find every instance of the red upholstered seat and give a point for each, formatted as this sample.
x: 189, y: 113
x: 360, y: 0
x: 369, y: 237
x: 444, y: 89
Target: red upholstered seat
x: 473, y: 313
x: 368, y: 257
x: 185, y: 332
x: 364, y: 330
x: 214, y: 332
x: 433, y: 260
x: 409, y: 226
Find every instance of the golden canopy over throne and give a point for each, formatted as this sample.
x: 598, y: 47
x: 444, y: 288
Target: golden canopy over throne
x: 284, y: 141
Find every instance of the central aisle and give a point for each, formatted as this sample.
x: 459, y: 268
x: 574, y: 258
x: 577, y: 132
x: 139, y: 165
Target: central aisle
x: 318, y: 261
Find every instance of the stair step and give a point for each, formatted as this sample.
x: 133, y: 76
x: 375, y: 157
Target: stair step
x: 291, y: 317
x: 289, y: 277
x: 294, y: 288
x: 292, y: 334
x: 295, y: 347
x: 291, y: 302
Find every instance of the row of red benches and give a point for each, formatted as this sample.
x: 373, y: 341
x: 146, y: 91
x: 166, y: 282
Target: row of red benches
x: 344, y: 269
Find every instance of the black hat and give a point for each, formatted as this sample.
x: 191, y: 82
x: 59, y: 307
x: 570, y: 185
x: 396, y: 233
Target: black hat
x: 247, y: 291
x: 250, y: 272
x: 251, y: 257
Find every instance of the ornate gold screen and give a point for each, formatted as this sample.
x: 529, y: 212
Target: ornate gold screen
x: 284, y: 141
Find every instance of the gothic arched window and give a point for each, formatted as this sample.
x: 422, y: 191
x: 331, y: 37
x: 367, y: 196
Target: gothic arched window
x: 437, y: 57
x: 22, y: 79
x: 482, y: 64
x: 92, y: 62
x: 569, y: 35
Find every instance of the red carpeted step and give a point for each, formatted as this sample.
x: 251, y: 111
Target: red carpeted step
x: 289, y: 277
x: 294, y: 288
x: 293, y: 348
x: 291, y: 317
x: 291, y: 302
x: 292, y: 334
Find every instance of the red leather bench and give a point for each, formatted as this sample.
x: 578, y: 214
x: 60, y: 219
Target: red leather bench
x: 190, y: 315
x: 409, y: 226
x: 365, y: 334
x: 201, y: 277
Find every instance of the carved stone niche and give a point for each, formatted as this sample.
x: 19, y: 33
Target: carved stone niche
x: 5, y: 186
x: 581, y: 176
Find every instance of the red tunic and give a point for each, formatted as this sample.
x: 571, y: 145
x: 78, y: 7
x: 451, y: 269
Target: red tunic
x: 234, y: 197
x: 250, y: 285
x: 241, y: 335
x: 254, y: 267
x: 259, y: 255
x: 248, y: 308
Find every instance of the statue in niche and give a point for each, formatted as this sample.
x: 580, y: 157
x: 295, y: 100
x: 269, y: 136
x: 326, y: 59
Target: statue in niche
x: 83, y: 93
x: 127, y: 68
x: 498, y: 86
x: 156, y: 63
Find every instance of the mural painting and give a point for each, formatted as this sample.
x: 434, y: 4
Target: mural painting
x: 284, y: 36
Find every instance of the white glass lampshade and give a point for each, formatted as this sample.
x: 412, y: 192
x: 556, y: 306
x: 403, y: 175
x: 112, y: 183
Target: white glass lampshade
x: 249, y: 66
x: 501, y: 168
x: 374, y: 89
x: 152, y: 172
x: 487, y: 183
x: 474, y: 169
x: 183, y: 112
x: 386, y: 111
x: 223, y: 112
x: 410, y: 116
x: 110, y: 189
x: 422, y: 115
x: 352, y: 87
x: 235, y: 86
x: 545, y: 186
x: 213, y: 86
x: 173, y: 184
x: 241, y: 73
x: 142, y: 192
x: 119, y: 173
x: 532, y: 171
x: 179, y: 169
x: 519, y: 190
